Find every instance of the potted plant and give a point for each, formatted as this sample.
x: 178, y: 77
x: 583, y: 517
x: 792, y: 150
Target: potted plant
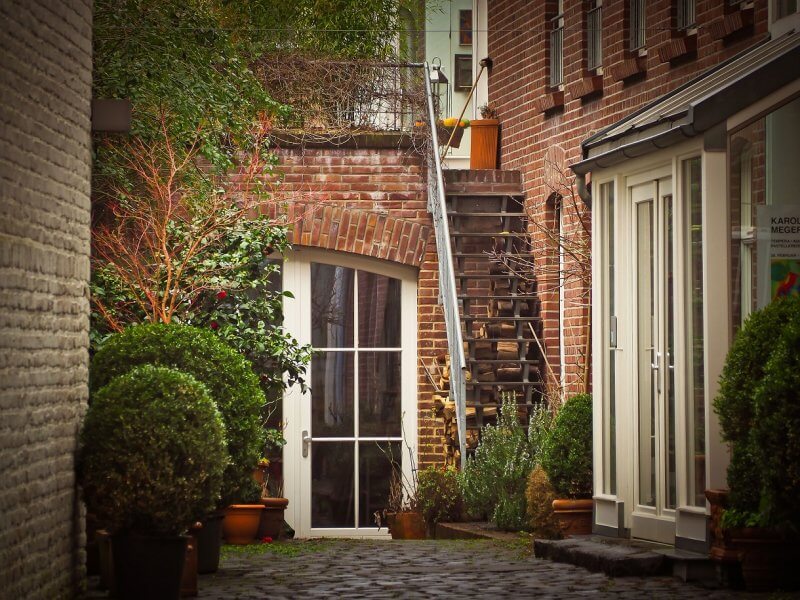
x: 439, y: 496
x: 566, y: 457
x: 450, y: 131
x: 760, y: 416
x: 151, y: 462
x: 485, y: 134
x: 232, y: 384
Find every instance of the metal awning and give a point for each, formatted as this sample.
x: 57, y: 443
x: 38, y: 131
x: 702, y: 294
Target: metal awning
x: 696, y: 106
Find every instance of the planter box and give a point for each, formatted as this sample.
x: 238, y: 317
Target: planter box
x: 574, y: 516
x: 483, y: 149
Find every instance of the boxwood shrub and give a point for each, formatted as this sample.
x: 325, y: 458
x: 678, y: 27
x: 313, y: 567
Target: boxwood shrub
x: 751, y: 419
x: 152, y: 452
x: 227, y: 374
x: 566, y: 453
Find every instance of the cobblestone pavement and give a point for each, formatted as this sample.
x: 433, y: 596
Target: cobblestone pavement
x: 421, y: 569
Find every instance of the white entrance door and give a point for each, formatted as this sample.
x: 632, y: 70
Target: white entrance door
x: 655, y: 488
x: 357, y: 421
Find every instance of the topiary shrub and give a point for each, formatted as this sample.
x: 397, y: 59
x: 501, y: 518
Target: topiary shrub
x: 439, y: 495
x: 539, y: 496
x: 152, y: 452
x: 743, y: 386
x: 227, y: 374
x: 776, y: 431
x: 566, y: 454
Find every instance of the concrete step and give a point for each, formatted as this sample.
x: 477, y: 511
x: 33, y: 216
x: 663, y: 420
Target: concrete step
x: 622, y: 557
x: 612, y: 559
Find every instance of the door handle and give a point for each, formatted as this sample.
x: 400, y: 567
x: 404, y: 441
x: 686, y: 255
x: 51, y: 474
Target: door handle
x: 306, y: 443
x: 656, y: 366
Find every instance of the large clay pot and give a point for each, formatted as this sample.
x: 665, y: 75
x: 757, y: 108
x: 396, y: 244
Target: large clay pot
x: 209, y: 541
x: 574, y: 516
x: 768, y: 559
x: 189, y: 582
x: 148, y: 566
x: 408, y: 526
x: 483, y: 147
x: 271, y: 524
x: 241, y: 522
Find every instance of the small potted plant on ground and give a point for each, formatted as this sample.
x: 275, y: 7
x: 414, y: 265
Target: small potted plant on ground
x: 485, y: 135
x: 566, y: 457
x: 439, y: 496
x: 232, y: 384
x: 759, y: 415
x: 151, y: 463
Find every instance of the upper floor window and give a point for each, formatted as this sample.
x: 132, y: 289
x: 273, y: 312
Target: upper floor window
x: 557, y: 47
x: 594, y: 35
x: 636, y: 24
x: 685, y: 14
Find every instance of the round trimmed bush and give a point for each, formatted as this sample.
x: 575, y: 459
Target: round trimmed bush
x: 152, y: 452
x: 776, y: 431
x: 566, y: 454
x: 227, y: 374
x: 736, y: 403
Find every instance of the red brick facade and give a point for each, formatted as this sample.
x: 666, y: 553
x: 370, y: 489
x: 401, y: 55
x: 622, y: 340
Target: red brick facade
x: 542, y: 133
x: 373, y: 202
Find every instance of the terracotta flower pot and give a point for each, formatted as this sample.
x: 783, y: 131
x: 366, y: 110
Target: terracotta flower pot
x: 408, y: 526
x: 768, y: 559
x: 574, y: 516
x: 483, y: 148
x: 271, y: 524
x: 189, y: 582
x: 241, y: 522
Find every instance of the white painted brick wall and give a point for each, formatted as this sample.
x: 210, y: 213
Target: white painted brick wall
x: 45, y: 173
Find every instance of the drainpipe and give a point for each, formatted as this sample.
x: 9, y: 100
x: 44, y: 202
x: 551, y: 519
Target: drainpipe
x: 583, y: 191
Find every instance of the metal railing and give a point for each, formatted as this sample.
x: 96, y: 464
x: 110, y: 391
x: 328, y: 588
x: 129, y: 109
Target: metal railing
x: 447, y: 282
x: 636, y: 26
x: 686, y: 13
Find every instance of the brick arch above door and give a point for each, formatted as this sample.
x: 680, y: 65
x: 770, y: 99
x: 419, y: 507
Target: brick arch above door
x: 357, y: 231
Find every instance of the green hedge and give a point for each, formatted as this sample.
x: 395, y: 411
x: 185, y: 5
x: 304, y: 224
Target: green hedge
x: 227, y: 374
x: 566, y: 453
x: 152, y: 451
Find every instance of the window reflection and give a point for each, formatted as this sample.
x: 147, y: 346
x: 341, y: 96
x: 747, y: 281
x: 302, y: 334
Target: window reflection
x: 332, y: 312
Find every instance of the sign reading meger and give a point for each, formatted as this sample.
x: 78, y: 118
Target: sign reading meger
x: 778, y: 250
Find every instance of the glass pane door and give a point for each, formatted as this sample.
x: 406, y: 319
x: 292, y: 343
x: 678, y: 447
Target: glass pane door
x: 654, y: 253
x: 355, y: 422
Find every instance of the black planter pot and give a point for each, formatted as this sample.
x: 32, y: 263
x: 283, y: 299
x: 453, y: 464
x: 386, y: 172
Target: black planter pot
x: 148, y: 566
x: 209, y: 541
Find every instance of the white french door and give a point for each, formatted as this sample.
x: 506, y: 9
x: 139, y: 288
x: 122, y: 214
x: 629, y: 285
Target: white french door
x: 654, y: 302
x: 356, y: 422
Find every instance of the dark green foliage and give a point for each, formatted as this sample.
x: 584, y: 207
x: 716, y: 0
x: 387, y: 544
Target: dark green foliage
x: 755, y: 412
x: 152, y: 451
x: 439, y: 495
x: 227, y: 374
x: 776, y: 430
x: 567, y: 451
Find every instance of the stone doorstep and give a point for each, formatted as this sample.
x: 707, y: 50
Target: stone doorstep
x: 621, y: 558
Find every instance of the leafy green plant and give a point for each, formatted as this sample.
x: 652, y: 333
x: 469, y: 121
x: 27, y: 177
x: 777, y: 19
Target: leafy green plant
x: 776, y: 431
x: 539, y: 496
x: 752, y: 398
x: 227, y: 374
x: 566, y: 453
x: 493, y: 481
x: 439, y: 495
x: 152, y: 451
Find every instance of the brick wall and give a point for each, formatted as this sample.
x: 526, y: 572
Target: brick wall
x: 541, y: 133
x: 373, y: 202
x: 45, y: 86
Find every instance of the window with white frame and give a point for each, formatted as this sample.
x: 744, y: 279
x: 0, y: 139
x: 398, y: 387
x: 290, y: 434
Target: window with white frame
x: 784, y: 8
x: 557, y: 47
x: 594, y: 35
